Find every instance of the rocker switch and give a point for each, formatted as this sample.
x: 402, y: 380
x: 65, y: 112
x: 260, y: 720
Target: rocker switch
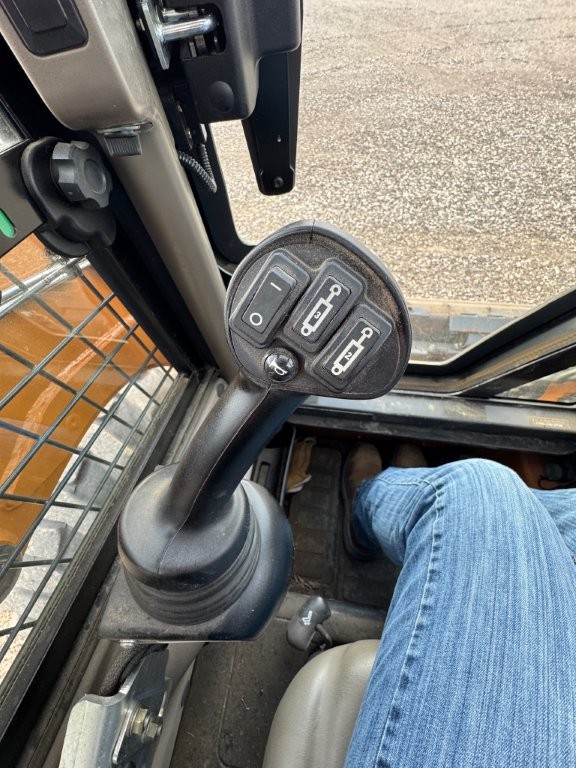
x: 268, y: 300
x: 323, y: 303
x: 352, y: 347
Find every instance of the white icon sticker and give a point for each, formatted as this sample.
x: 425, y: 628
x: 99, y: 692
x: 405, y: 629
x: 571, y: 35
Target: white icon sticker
x: 351, y: 352
x: 307, y: 620
x: 256, y: 319
x: 320, y: 311
x: 275, y: 366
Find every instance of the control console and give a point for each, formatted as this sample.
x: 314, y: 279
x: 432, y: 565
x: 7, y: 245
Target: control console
x: 317, y: 313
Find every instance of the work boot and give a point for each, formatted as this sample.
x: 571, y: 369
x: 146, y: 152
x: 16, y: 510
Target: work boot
x: 407, y: 456
x: 362, y: 463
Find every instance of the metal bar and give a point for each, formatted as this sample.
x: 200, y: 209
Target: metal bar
x: 77, y: 331
x: 33, y: 563
x: 41, y: 502
x: 8, y: 482
x: 47, y: 441
x: 118, y: 316
x: 180, y: 30
x: 8, y: 631
x: 32, y: 286
x: 54, y: 379
x: 80, y: 336
x: 62, y: 484
x: 74, y: 333
x: 12, y: 277
x: 73, y: 597
x: 105, y: 304
x: 43, y: 280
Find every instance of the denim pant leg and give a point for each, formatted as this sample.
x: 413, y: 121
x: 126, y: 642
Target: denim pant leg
x: 477, y: 663
x: 561, y: 505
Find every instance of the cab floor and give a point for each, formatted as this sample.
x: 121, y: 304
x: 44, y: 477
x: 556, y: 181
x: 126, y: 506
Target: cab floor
x: 236, y: 687
x: 321, y: 565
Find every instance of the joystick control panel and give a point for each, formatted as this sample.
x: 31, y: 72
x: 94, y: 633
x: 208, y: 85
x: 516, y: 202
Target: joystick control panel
x: 317, y: 313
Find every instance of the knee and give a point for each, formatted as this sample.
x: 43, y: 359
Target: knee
x: 486, y: 488
x: 487, y: 473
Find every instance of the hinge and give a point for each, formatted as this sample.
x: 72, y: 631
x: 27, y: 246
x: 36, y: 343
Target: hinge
x: 164, y: 26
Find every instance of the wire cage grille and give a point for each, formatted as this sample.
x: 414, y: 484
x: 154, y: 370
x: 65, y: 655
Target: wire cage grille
x: 80, y: 382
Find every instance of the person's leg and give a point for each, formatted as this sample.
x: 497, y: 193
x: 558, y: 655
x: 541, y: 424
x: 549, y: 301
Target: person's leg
x: 561, y: 505
x: 477, y: 664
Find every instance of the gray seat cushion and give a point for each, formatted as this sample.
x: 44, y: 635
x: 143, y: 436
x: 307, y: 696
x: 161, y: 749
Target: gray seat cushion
x: 316, y: 716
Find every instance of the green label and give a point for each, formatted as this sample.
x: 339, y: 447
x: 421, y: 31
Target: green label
x: 6, y: 226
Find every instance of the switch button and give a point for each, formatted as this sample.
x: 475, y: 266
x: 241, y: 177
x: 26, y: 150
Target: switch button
x: 351, y: 348
x: 322, y: 305
x: 268, y: 300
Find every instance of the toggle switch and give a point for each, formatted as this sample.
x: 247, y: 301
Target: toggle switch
x: 321, y: 308
x: 356, y: 346
x: 268, y: 299
x: 273, y: 293
x: 352, y: 347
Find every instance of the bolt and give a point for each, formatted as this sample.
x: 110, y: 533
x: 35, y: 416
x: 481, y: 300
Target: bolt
x: 153, y: 730
x: 146, y: 725
x: 278, y: 182
x: 140, y: 722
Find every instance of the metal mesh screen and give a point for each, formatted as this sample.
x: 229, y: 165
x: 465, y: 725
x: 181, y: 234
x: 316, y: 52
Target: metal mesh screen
x: 79, y: 384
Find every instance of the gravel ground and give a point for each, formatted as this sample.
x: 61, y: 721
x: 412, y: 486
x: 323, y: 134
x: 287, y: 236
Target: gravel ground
x: 440, y: 133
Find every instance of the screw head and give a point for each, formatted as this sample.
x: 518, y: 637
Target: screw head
x: 281, y: 366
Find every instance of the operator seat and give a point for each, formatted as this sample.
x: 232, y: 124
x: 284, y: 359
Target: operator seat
x: 314, y: 721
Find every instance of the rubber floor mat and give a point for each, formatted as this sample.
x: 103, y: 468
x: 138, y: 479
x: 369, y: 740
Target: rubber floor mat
x: 321, y: 564
x: 236, y: 688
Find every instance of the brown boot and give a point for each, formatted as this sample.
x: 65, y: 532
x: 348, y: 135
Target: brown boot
x: 362, y: 463
x: 408, y: 455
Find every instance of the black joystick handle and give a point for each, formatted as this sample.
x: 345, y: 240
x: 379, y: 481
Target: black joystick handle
x: 309, y: 311
x: 188, y: 537
x: 245, y: 419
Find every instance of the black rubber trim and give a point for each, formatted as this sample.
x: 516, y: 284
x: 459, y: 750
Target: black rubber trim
x: 47, y: 26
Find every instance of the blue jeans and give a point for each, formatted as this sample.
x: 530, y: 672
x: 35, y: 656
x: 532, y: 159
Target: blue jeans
x: 477, y: 663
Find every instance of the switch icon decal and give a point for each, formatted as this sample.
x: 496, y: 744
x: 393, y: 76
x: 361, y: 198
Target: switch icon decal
x: 320, y: 306
x: 351, y: 352
x: 351, y: 347
x: 320, y: 311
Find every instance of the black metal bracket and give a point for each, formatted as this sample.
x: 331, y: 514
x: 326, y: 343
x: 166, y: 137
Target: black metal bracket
x: 15, y: 200
x: 69, y: 228
x: 271, y: 130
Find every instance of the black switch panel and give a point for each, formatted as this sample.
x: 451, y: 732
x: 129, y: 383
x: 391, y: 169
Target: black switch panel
x: 272, y: 295
x: 341, y: 329
x: 352, y: 348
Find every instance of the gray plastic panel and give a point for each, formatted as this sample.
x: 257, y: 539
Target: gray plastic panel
x: 106, y: 84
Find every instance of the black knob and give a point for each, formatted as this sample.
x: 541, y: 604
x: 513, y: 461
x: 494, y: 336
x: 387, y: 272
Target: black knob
x: 79, y: 172
x: 281, y: 366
